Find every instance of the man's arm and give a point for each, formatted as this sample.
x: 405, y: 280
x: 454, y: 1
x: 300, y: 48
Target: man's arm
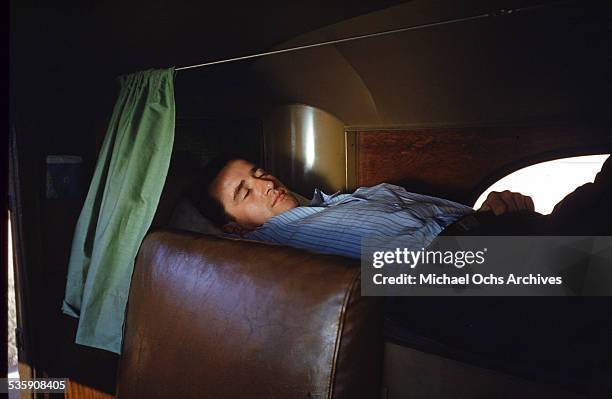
x: 507, y: 201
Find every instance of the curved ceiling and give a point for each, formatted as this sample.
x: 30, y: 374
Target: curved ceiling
x: 113, y: 36
x: 543, y: 64
x: 547, y: 64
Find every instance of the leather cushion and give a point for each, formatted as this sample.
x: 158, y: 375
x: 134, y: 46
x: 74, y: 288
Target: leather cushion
x: 222, y: 318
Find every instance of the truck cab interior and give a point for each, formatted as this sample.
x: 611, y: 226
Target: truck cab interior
x: 441, y: 97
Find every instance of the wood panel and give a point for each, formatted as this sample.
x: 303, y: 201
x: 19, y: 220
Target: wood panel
x: 79, y: 391
x: 460, y: 163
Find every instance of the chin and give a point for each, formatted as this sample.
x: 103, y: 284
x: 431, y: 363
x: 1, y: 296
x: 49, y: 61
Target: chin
x: 289, y: 202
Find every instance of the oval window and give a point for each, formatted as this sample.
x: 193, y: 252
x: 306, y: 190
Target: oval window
x: 549, y: 182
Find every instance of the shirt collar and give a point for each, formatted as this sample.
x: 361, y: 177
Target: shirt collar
x: 319, y: 197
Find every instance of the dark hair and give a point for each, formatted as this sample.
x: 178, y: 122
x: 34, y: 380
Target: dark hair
x: 209, y: 206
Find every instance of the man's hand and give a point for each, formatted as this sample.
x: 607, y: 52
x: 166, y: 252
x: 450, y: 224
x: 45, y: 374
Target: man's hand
x: 506, y: 201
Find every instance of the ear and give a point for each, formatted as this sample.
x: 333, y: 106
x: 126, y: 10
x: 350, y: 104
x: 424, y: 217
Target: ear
x: 235, y: 228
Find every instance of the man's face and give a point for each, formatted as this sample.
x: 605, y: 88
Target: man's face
x: 249, y: 194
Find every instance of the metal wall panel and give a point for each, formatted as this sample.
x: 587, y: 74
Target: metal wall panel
x: 305, y: 148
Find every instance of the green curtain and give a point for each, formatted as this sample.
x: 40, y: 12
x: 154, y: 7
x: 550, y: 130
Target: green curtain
x: 120, y: 205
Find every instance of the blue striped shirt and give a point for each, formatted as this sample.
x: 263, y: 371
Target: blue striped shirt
x: 336, y: 224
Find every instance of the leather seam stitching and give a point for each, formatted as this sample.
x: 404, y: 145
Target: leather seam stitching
x: 338, y: 343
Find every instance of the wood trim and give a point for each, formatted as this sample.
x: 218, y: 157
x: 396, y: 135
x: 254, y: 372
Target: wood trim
x: 80, y: 391
x: 460, y: 163
x: 351, y: 151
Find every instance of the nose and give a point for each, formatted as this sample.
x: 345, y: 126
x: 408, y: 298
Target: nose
x: 264, y: 186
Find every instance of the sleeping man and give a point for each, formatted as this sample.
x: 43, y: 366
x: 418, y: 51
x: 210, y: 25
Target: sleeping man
x: 245, y: 200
